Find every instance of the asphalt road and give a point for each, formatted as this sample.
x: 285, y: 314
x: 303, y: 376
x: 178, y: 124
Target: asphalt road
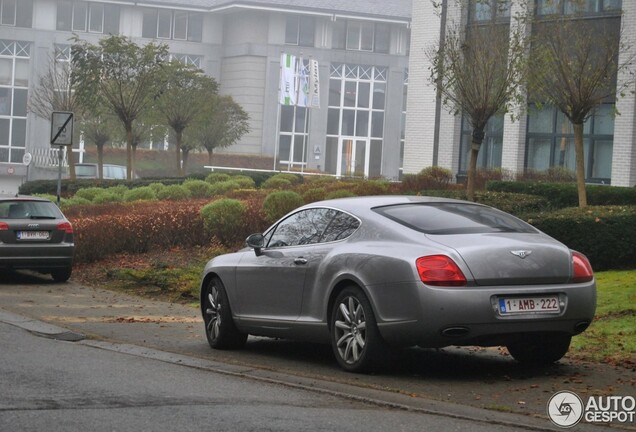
x: 457, y: 383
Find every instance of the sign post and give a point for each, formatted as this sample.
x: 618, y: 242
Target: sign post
x: 62, y: 136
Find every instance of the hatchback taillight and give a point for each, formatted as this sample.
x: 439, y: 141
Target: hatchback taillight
x: 4, y: 226
x: 66, y: 227
x: 581, y: 268
x: 439, y: 270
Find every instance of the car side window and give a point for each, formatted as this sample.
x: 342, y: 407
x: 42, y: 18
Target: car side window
x: 301, y: 228
x: 341, y: 227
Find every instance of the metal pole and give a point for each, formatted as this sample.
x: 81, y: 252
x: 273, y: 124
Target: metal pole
x: 59, y: 174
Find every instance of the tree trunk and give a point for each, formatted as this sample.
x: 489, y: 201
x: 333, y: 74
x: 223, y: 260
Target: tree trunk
x: 179, y: 136
x: 580, y: 164
x: 210, y: 157
x: 100, y: 160
x: 186, y: 153
x: 478, y: 138
x: 129, y: 140
x: 133, y: 161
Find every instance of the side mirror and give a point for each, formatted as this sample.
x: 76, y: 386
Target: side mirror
x: 256, y: 242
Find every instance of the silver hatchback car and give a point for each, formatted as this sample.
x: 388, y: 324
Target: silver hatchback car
x: 368, y: 273
x: 35, y: 235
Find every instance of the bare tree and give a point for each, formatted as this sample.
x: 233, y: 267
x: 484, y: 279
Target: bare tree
x: 186, y: 92
x: 56, y: 91
x: 479, y: 70
x: 121, y: 76
x: 575, y: 67
x: 98, y: 130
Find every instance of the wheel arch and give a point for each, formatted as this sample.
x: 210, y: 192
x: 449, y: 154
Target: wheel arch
x: 340, y: 286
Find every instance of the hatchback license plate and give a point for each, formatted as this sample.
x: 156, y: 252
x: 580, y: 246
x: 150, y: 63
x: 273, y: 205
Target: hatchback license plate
x: 514, y: 305
x: 33, y: 235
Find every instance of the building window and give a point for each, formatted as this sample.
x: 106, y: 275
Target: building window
x: 81, y: 16
x: 292, y: 147
x: 355, y: 120
x: 14, y: 83
x: 578, y: 7
x: 489, y: 10
x: 551, y: 142
x: 16, y: 13
x: 361, y: 36
x: 405, y: 89
x: 300, y: 30
x: 489, y: 156
x: 188, y: 59
x: 169, y: 24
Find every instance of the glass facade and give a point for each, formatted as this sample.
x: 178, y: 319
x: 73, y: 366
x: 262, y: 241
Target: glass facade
x: 551, y: 142
x: 82, y: 16
x: 14, y: 84
x: 172, y: 24
x: 489, y: 156
x: 300, y: 30
x: 355, y: 124
x: 361, y: 36
x: 16, y: 13
x: 578, y: 7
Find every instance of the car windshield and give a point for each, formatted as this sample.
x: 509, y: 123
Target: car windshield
x: 454, y: 218
x: 20, y: 209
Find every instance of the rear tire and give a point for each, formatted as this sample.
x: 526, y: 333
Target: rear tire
x: 540, y: 350
x: 220, y: 329
x: 61, y: 275
x: 355, y: 338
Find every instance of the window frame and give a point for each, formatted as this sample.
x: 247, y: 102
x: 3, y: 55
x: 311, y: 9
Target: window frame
x: 3, y: 12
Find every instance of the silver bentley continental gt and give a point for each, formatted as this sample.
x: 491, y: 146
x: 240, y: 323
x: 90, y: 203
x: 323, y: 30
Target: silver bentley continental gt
x: 370, y: 273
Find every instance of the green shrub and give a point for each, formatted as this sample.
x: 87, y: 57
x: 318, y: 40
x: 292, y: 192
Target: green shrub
x: 174, y: 193
x: 223, y: 187
x: 606, y: 235
x: 276, y: 183
x: 120, y: 189
x: 107, y: 196
x: 157, y: 187
x: 72, y: 202
x: 431, y: 178
x: 217, y: 177
x: 225, y: 219
x: 315, y: 194
x: 292, y: 178
x: 555, y: 174
x: 198, y: 188
x: 342, y: 193
x: 88, y: 193
x: 278, y: 204
x: 144, y: 193
x: 244, y: 181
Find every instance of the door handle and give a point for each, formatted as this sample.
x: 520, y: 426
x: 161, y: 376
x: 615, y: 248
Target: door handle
x: 300, y: 261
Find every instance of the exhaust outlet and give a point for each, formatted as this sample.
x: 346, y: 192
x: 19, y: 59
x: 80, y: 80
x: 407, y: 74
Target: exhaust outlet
x: 455, y: 331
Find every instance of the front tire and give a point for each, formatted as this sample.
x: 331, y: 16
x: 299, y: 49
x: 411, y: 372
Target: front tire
x: 62, y: 275
x: 220, y: 329
x: 355, y: 338
x: 540, y: 350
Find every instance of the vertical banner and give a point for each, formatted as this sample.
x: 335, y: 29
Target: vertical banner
x: 288, y: 81
x: 314, y: 84
x: 303, y: 84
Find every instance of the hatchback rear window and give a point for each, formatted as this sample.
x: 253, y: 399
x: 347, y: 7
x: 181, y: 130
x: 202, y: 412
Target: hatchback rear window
x: 20, y: 209
x: 454, y: 218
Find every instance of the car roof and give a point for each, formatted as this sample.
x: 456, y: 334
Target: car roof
x: 365, y: 203
x: 22, y: 198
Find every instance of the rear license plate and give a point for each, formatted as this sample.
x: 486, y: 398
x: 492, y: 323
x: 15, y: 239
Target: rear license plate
x: 517, y: 305
x: 33, y: 235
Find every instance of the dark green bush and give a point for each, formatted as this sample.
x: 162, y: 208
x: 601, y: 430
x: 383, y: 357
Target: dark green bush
x: 371, y: 187
x: 216, y: 177
x: 198, y: 188
x: 606, y: 235
x: 223, y: 187
x: 292, y: 178
x: 341, y: 193
x: 144, y: 193
x: 561, y: 195
x: 314, y: 194
x: 88, y: 193
x: 174, y: 193
x: 276, y: 183
x: 278, y: 204
x: 245, y: 182
x: 225, y: 219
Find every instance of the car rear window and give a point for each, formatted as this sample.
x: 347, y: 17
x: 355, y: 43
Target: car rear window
x: 21, y: 209
x: 453, y: 218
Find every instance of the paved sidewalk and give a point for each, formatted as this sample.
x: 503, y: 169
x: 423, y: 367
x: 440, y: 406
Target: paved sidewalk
x: 468, y: 378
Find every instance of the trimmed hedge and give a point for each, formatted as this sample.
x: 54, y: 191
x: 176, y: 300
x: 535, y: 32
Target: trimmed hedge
x: 562, y: 195
x: 278, y: 204
x: 606, y: 235
x: 225, y: 219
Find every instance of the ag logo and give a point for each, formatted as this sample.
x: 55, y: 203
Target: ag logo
x: 565, y: 409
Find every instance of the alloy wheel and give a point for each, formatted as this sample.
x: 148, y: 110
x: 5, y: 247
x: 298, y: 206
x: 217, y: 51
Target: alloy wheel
x: 350, y: 329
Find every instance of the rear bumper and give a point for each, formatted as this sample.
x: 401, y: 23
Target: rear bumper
x: 469, y: 316
x: 32, y: 257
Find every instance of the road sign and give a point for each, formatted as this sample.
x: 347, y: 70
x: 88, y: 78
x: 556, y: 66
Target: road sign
x: 27, y: 159
x: 62, y: 128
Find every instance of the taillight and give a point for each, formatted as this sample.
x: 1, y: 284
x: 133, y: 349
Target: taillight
x: 581, y: 268
x: 439, y: 270
x: 66, y: 227
x: 4, y: 226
